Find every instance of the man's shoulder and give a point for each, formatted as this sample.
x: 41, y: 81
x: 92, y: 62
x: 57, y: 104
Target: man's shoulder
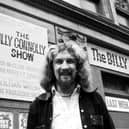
x: 44, y: 96
x: 98, y: 99
x: 41, y: 99
x: 95, y: 96
x: 39, y: 102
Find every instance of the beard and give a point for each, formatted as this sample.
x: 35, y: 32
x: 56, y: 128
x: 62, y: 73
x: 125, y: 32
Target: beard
x: 66, y: 80
x: 66, y: 87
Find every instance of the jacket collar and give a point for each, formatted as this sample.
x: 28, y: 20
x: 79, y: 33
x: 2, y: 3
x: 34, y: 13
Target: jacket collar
x: 44, y: 96
x: 47, y: 95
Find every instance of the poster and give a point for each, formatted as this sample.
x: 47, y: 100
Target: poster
x: 23, y: 120
x: 6, y: 120
x: 23, y: 46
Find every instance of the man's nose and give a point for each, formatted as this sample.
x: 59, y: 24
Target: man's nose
x: 64, y: 65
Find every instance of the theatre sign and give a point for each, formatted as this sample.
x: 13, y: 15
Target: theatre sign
x: 108, y: 59
x: 115, y: 61
x: 22, y: 49
x: 117, y: 104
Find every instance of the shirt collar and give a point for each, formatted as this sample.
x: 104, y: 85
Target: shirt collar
x: 76, y: 90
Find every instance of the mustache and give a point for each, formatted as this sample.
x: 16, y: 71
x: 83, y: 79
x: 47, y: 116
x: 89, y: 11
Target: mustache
x: 65, y: 71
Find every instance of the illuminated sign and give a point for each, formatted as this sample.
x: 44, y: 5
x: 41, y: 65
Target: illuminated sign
x: 117, y: 104
x: 22, y: 50
x: 108, y: 59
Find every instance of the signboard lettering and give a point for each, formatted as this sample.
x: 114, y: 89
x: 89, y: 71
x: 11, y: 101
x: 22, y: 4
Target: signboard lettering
x: 108, y: 59
x: 117, y: 104
x: 6, y: 120
x: 23, y: 46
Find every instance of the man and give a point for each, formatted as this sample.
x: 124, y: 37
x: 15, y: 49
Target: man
x: 70, y: 102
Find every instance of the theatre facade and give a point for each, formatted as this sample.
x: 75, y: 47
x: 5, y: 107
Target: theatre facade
x: 29, y: 27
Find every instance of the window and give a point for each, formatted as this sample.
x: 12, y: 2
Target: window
x: 91, y: 5
x: 122, y: 10
x: 73, y: 2
x: 123, y: 4
x: 123, y: 20
x: 118, y: 84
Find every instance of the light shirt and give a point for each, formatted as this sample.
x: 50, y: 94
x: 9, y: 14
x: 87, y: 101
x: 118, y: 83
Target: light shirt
x: 66, y: 113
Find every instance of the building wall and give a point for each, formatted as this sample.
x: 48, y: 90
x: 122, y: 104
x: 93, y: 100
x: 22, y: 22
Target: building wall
x: 100, y: 27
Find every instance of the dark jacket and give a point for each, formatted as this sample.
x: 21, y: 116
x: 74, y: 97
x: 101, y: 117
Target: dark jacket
x: 93, y: 111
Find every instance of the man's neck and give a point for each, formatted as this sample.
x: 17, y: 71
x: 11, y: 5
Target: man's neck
x: 65, y: 90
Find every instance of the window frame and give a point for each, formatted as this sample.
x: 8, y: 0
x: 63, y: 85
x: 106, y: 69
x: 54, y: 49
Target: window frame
x: 124, y: 13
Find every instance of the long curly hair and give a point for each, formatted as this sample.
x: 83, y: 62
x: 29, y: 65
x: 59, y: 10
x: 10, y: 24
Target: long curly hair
x: 83, y: 77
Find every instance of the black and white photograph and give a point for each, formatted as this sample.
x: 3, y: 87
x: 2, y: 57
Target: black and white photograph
x: 64, y: 64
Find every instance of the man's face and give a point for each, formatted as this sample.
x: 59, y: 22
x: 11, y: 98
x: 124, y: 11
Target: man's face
x: 64, y: 66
